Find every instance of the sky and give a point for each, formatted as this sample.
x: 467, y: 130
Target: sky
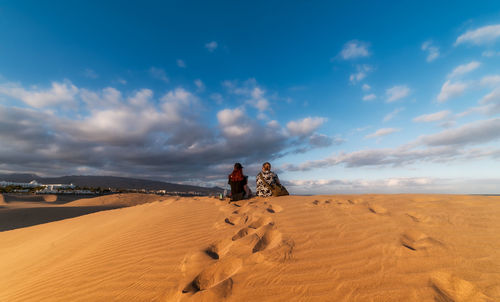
x: 340, y: 96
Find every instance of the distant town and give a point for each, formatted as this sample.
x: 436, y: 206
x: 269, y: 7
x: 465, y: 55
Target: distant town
x: 34, y: 187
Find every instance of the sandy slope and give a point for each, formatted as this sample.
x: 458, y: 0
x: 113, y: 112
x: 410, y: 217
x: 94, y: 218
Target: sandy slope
x: 315, y: 248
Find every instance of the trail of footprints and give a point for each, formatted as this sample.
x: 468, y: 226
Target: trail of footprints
x: 258, y: 238
x: 447, y: 286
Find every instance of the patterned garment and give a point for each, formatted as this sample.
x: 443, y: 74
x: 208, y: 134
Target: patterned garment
x: 271, y: 178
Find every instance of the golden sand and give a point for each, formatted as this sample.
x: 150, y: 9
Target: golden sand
x: 294, y: 248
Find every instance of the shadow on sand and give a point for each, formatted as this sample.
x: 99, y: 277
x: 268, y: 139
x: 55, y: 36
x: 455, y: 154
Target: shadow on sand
x: 15, y: 218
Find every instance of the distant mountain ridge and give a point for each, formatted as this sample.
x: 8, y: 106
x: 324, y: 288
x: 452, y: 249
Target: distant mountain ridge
x: 109, y: 182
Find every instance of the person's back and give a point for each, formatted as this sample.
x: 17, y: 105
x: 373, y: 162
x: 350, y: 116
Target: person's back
x: 265, y: 179
x: 238, y: 183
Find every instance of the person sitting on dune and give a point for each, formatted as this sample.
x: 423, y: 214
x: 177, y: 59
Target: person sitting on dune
x: 265, y: 180
x: 238, y: 183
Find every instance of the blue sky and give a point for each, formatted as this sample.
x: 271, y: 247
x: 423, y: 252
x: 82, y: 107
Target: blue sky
x: 341, y: 97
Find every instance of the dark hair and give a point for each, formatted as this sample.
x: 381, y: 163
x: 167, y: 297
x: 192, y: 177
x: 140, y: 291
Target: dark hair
x: 238, y: 166
x: 266, y: 164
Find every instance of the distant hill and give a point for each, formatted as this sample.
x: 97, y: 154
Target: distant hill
x: 109, y: 182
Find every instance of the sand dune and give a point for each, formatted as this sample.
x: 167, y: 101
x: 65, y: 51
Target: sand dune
x: 294, y: 248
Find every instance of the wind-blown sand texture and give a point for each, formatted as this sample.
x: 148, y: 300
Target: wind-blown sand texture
x: 293, y: 248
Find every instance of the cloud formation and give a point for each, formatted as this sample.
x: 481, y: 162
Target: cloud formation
x: 451, y: 90
x: 362, y: 71
x: 396, y: 93
x: 473, y: 133
x: 382, y: 132
x: 432, y: 117
x: 394, y: 185
x: 482, y: 35
x: 463, y: 69
x: 392, y: 114
x: 354, y: 49
x: 199, y: 85
x: 305, y: 126
x: 432, y: 51
x: 181, y: 63
x: 369, y: 97
x: 141, y: 134
x: 253, y: 94
x: 211, y: 46
x: 445, y: 146
x: 59, y: 94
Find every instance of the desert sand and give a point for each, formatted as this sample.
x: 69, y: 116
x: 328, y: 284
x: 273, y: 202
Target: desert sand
x: 294, y: 248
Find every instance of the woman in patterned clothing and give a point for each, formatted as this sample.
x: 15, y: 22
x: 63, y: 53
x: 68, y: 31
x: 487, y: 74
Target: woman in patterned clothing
x: 269, y: 177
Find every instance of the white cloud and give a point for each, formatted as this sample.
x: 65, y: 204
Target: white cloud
x: 321, y: 140
x: 181, y: 63
x: 355, y: 49
x: 369, y: 97
x: 398, y: 185
x: 471, y: 133
x: 444, y: 146
x: 392, y: 114
x: 121, y: 81
x: 433, y: 51
x: 360, y: 74
x: 199, y: 85
x: 159, y: 73
x: 490, y: 53
x: 463, y: 69
x: 397, y: 92
x: 89, y: 73
x: 492, y: 97
x: 108, y: 97
x: 480, y: 35
x: 492, y: 102
x: 305, y: 126
x: 491, y: 80
x: 233, y: 122
x: 177, y: 104
x: 382, y: 132
x: 211, y: 46
x: 60, y: 94
x: 451, y: 90
x: 366, y: 87
x: 432, y: 117
x: 256, y: 95
x: 258, y: 100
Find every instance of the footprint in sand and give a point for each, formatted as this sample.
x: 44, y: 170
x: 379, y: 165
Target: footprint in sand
x: 264, y: 220
x: 217, y: 273
x: 270, y: 239
x: 451, y: 288
x: 417, y: 217
x: 236, y: 218
x: 415, y: 240
x: 375, y: 208
x: 324, y: 202
x: 242, y: 233
x: 274, y: 208
x: 218, y: 249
